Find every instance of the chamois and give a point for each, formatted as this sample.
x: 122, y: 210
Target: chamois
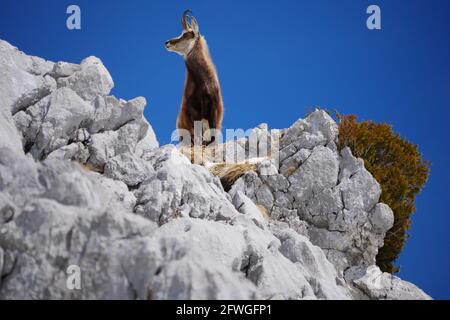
x: 202, y: 98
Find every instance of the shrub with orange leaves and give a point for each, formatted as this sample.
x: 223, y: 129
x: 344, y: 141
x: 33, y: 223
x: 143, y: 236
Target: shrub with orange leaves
x: 399, y: 168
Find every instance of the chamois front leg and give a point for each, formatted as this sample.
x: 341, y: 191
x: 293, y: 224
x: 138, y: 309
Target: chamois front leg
x: 212, y: 126
x: 209, y: 110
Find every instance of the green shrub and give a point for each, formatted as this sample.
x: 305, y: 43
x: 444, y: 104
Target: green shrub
x: 399, y: 168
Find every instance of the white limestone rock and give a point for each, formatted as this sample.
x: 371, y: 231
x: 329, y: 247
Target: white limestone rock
x: 178, y: 188
x: 64, y: 218
x: 122, y: 195
x: 318, y: 129
x: 22, y: 80
x: 267, y: 265
x: 382, y: 217
x: 246, y: 206
x: 10, y: 137
x: 148, y: 142
x: 21, y: 83
x: 379, y: 285
x: 326, y: 195
x: 130, y: 138
x: 19, y: 179
x: 63, y: 114
x: 50, y: 106
x: 64, y: 69
x: 91, y: 81
x: 131, y: 170
x: 84, y: 182
x: 111, y: 114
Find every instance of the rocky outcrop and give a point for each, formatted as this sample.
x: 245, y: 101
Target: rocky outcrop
x: 83, y: 182
x: 322, y: 193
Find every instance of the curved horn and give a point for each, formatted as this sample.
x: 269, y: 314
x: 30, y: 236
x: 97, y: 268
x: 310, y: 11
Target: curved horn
x: 183, y: 19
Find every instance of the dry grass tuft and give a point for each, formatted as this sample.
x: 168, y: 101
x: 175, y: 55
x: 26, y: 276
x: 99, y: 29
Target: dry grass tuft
x: 199, y: 154
x: 229, y: 173
x: 263, y: 211
x: 86, y: 167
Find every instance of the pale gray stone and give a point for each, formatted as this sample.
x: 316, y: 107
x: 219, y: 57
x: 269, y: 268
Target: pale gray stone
x: 10, y: 137
x: 74, y: 151
x: 122, y: 195
x: 329, y: 197
x: 382, y: 217
x: 316, y: 129
x: 64, y: 69
x: 179, y: 188
x: 84, y: 182
x: 111, y: 114
x: 91, y: 81
x: 246, y: 206
x: 128, y: 169
x: 63, y: 116
x: 383, y: 286
x: 7, y: 210
x: 148, y: 142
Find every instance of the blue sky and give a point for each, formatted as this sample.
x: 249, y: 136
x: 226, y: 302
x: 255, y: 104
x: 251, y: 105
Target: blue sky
x: 276, y: 60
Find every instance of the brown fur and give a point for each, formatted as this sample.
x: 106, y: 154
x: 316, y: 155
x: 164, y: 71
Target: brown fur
x: 202, y: 98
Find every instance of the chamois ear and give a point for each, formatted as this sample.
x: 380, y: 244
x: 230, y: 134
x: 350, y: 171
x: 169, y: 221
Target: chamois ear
x: 194, y: 25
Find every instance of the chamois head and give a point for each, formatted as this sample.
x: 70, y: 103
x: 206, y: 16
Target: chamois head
x: 186, y: 41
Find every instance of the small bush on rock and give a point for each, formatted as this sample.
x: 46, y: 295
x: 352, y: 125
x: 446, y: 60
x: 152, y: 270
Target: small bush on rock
x: 399, y: 168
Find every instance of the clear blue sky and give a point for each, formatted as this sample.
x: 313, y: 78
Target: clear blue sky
x: 275, y: 60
